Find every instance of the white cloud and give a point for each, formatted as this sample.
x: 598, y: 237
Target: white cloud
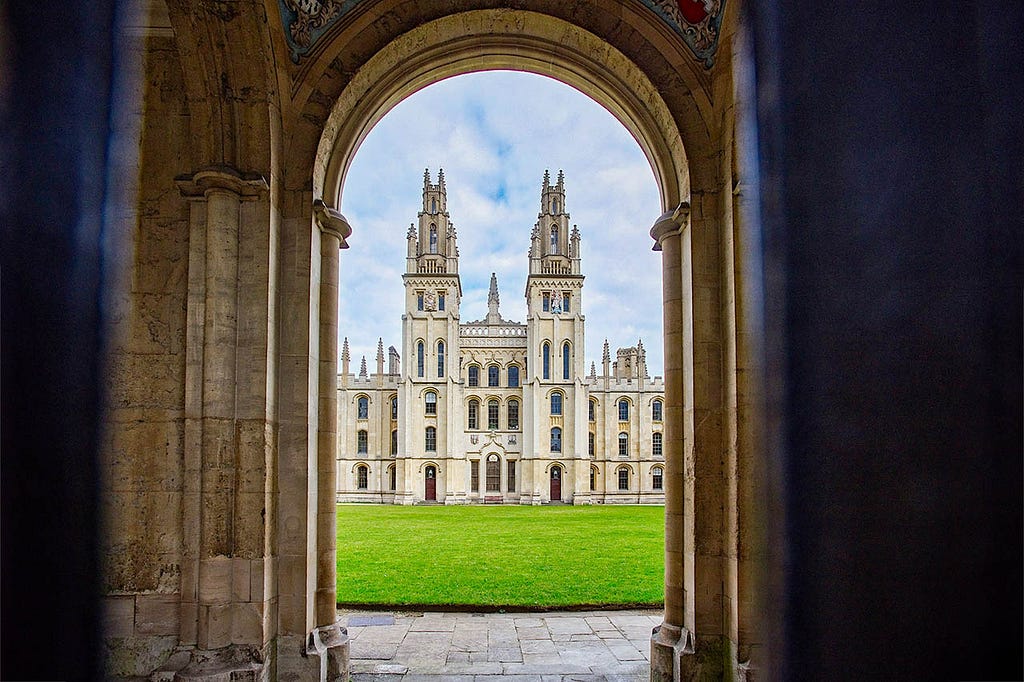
x: 494, y: 134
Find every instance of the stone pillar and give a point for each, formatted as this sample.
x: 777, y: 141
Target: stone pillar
x: 674, y: 637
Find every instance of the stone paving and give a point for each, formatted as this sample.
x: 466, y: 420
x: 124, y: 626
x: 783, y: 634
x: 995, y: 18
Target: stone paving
x: 586, y: 646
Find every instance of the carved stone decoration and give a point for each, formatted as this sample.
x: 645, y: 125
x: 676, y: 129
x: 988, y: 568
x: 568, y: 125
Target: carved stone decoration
x: 305, y: 21
x: 430, y: 300
x: 698, y: 22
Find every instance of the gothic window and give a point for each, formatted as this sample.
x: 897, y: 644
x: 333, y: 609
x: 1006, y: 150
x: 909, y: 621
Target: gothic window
x: 556, y: 403
x: 474, y: 475
x: 362, y: 474
x: 593, y: 478
x: 433, y: 205
x: 440, y: 301
x: 430, y: 439
x: 513, y: 415
x: 656, y: 444
x: 394, y: 442
x: 656, y: 411
x: 474, y: 415
x: 554, y: 205
x: 546, y: 353
x: 493, y: 474
x: 430, y: 400
x: 474, y: 375
x: 554, y: 239
x: 492, y: 375
x: 510, y: 480
x: 433, y: 238
x: 419, y: 300
x: 419, y: 359
x: 656, y: 478
x: 392, y: 475
x: 394, y: 409
x: 546, y: 302
x: 362, y: 442
x: 364, y: 407
x: 623, y: 445
x: 592, y: 410
x: 440, y: 359
x: 590, y: 443
x: 565, y: 361
x: 565, y: 302
x: 513, y: 376
x: 623, y: 410
x: 556, y: 439
x: 623, y: 478
x: 492, y: 414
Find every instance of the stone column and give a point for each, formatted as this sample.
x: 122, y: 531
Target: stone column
x: 674, y: 637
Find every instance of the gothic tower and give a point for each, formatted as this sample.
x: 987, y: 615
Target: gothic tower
x: 555, y: 394
x: 430, y: 344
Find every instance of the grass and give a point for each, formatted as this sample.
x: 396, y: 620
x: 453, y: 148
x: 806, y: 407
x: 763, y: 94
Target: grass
x: 501, y: 556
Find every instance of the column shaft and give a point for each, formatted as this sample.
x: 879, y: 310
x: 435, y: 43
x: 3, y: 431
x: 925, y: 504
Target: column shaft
x: 327, y: 440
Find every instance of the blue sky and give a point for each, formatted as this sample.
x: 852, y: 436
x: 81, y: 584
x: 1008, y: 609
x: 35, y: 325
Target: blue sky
x: 494, y: 134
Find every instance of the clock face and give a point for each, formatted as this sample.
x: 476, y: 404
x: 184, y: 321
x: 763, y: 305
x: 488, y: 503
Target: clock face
x: 693, y: 10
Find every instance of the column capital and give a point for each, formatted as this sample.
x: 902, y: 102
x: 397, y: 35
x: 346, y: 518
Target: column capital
x: 331, y: 221
x: 221, y: 178
x: 670, y: 223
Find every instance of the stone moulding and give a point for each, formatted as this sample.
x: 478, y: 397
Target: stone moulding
x: 697, y: 22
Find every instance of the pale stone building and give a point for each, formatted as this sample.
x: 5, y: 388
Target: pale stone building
x: 493, y: 410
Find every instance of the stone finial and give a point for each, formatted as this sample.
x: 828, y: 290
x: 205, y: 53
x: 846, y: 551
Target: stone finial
x: 362, y: 368
x: 561, y: 179
x: 344, y: 350
x: 426, y: 179
x: 593, y: 370
x: 380, y: 349
x: 440, y: 178
x: 411, y: 234
x: 606, y: 355
x: 547, y: 179
x: 492, y: 294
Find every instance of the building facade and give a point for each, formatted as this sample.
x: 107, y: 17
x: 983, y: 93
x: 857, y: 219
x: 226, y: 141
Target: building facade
x: 493, y: 410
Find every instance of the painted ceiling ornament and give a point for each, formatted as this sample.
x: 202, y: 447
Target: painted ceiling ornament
x: 699, y: 22
x: 306, y: 21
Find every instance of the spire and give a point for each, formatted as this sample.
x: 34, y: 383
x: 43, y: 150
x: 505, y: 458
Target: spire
x: 492, y: 295
x: 561, y: 181
x: 426, y: 179
x: 606, y: 356
x: 440, y: 178
x: 362, y: 368
x: 380, y: 356
x: 593, y: 370
x: 344, y: 350
x: 493, y: 316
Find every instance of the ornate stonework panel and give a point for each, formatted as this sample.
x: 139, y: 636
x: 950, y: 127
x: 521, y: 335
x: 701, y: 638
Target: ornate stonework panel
x: 305, y: 21
x: 698, y: 23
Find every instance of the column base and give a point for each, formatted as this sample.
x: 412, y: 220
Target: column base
x: 236, y: 663
x: 679, y: 656
x: 669, y: 644
x: 322, y: 656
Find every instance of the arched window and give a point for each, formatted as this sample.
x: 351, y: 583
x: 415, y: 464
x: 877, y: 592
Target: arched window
x: 433, y: 205
x: 492, y: 375
x: 513, y: 376
x: 431, y: 439
x: 440, y: 359
x: 433, y: 238
x: 592, y: 411
x: 362, y: 474
x: 513, y: 415
x: 656, y: 478
x: 492, y: 414
x: 565, y: 361
x: 554, y: 239
x: 546, y: 357
x: 474, y: 415
x: 656, y: 444
x: 493, y: 480
x: 430, y: 403
x: 394, y: 408
x: 554, y: 205
x: 364, y: 407
x: 656, y: 411
x: 419, y: 359
x: 394, y: 442
x: 556, y: 439
x: 623, y: 445
x: 590, y: 443
x: 566, y: 299
x: 623, y: 478
x: 474, y: 375
x: 556, y: 403
x: 362, y: 442
x: 623, y: 410
x: 593, y: 478
x: 392, y: 476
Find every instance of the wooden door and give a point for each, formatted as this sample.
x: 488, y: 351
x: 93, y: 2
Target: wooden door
x: 556, y: 484
x: 430, y: 484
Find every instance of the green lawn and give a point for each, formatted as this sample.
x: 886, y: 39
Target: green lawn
x: 498, y: 556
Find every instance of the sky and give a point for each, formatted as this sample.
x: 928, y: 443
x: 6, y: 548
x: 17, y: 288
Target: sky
x: 494, y: 134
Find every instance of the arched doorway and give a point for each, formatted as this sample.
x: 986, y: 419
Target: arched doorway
x: 430, y: 484
x: 555, y: 484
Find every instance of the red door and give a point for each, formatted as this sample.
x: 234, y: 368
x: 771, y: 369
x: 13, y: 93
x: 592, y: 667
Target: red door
x: 430, y: 494
x: 556, y: 484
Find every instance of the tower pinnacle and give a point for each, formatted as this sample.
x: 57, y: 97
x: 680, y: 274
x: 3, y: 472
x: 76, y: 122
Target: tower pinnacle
x: 493, y: 316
